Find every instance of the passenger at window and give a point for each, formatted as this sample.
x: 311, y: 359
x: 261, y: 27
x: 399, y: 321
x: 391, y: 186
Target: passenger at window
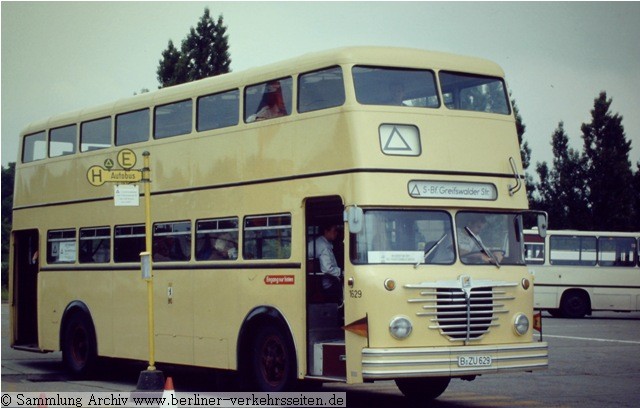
x: 396, y: 94
x: 272, y: 103
x: 323, y: 251
x: 162, y: 250
x: 225, y: 247
x: 218, y: 248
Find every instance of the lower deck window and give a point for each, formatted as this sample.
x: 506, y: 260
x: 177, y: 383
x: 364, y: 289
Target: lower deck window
x: 172, y: 241
x: 217, y: 239
x: 128, y: 243
x: 95, y: 245
x: 61, y: 246
x: 267, y: 237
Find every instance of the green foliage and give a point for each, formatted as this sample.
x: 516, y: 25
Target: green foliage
x: 608, y: 169
x: 203, y: 53
x: 595, y: 190
x: 8, y: 177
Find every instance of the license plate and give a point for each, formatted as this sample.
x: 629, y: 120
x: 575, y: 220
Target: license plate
x: 474, y: 361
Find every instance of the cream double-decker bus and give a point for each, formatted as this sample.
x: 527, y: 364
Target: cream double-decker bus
x: 413, y: 154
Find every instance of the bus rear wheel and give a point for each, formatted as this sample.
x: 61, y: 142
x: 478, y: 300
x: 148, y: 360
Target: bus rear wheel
x: 79, y: 349
x: 574, y: 305
x: 273, y: 361
x: 423, y: 389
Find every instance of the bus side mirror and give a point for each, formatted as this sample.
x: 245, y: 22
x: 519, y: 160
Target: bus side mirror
x: 355, y: 218
x: 542, y: 225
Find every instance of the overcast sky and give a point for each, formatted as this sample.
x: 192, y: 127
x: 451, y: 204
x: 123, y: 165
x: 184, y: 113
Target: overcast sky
x: 60, y: 57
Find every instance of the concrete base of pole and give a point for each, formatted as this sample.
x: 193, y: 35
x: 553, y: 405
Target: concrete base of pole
x: 150, y: 380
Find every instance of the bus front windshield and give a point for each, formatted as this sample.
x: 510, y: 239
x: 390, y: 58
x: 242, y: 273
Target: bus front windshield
x: 428, y: 237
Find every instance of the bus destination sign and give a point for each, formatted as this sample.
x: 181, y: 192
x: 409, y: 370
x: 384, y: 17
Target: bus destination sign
x: 452, y: 189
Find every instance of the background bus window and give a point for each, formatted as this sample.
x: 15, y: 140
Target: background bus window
x: 128, y: 243
x: 267, y: 237
x: 218, y: 111
x: 395, y: 87
x: 132, y: 127
x: 572, y: 250
x: 61, y: 246
x: 95, y: 134
x: 173, y: 119
x: 268, y: 100
x: 34, y: 147
x: 95, y: 245
x: 616, y: 251
x: 320, y: 90
x: 62, y: 141
x: 172, y: 241
x: 474, y: 93
x: 217, y: 239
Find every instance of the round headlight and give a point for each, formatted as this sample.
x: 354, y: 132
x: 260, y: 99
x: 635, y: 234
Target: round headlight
x: 400, y: 327
x: 521, y: 324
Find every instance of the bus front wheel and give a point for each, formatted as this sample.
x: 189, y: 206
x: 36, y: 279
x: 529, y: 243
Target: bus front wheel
x: 79, y: 350
x: 423, y: 389
x: 273, y: 360
x: 574, y: 305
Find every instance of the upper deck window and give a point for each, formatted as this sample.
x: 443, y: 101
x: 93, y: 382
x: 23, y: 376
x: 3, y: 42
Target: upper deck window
x: 474, y: 93
x: 268, y: 100
x: 320, y: 90
x: 62, y: 141
x: 395, y: 87
x: 132, y: 127
x: 218, y: 110
x: 95, y: 134
x: 173, y: 119
x: 34, y: 147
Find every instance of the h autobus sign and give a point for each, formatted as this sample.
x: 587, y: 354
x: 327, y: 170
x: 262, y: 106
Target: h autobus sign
x: 97, y: 175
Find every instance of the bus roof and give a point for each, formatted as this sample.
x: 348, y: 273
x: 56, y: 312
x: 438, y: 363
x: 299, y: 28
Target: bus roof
x: 370, y: 55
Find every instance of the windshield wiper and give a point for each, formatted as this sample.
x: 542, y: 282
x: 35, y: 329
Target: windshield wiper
x: 481, y: 245
x: 429, y: 251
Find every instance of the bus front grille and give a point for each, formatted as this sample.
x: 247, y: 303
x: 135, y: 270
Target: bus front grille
x: 462, y: 311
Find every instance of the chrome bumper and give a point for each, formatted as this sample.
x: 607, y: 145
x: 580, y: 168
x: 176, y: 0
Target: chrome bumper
x: 443, y: 361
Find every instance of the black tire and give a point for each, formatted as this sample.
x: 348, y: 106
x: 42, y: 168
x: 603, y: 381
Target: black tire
x: 574, y: 305
x: 423, y: 389
x: 273, y: 362
x: 79, y: 347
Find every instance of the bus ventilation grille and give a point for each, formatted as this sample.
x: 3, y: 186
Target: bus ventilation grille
x: 462, y: 315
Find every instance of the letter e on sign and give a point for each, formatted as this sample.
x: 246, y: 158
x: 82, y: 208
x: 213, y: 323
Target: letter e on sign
x: 127, y: 158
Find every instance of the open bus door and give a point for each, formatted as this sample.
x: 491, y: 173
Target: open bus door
x: 325, y: 315
x: 24, y: 286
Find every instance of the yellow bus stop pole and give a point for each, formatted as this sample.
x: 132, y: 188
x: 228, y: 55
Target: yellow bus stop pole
x: 150, y: 379
x: 146, y: 178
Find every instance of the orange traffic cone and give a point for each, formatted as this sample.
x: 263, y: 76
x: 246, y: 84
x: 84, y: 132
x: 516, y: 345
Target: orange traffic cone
x: 169, y: 393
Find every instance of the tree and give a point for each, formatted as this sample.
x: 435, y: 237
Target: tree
x: 8, y: 176
x: 562, y: 188
x: 636, y: 191
x: 525, y: 151
x: 203, y: 53
x: 608, y: 176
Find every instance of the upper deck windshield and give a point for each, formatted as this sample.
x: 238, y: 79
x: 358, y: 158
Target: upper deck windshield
x: 418, y: 88
x: 474, y: 93
x: 427, y: 237
x: 395, y: 87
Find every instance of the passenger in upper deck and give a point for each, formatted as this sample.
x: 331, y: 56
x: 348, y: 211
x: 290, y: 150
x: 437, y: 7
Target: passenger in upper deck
x: 272, y: 103
x: 396, y: 94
